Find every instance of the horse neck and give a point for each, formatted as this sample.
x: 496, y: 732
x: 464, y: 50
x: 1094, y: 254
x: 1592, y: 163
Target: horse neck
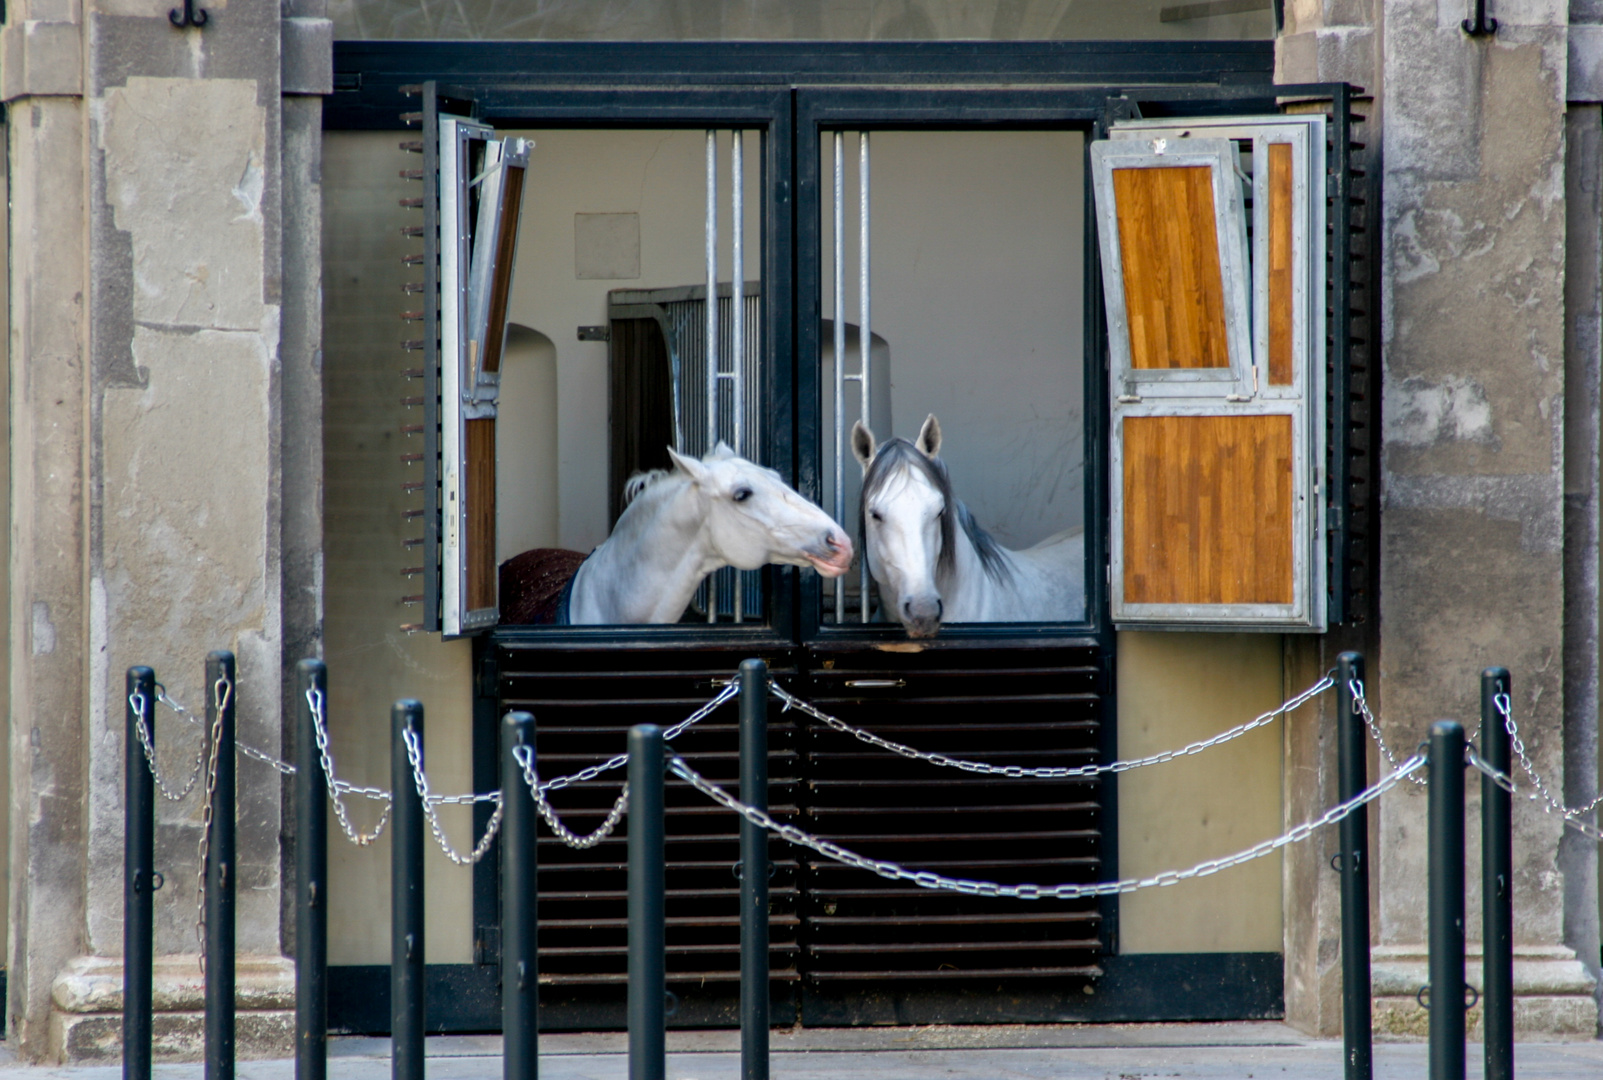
x: 648, y: 569
x: 968, y: 588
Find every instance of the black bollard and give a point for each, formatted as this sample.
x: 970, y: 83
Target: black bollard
x: 753, y: 872
x: 519, y: 958
x: 1352, y: 766
x: 1497, y: 884
x: 648, y: 961
x: 222, y: 691
x: 139, y: 876
x: 406, y: 897
x: 311, y: 877
x: 1446, y: 845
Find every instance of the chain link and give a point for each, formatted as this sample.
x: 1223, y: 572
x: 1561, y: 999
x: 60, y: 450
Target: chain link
x: 1067, y: 891
x: 1543, y: 793
x: 731, y: 688
x: 222, y: 693
x: 414, y: 754
x: 620, y: 806
x: 249, y: 751
x: 1506, y: 782
x: 1051, y: 772
x: 1361, y: 706
x: 337, y: 788
x: 139, y: 703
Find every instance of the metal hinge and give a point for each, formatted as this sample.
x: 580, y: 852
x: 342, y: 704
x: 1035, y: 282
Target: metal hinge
x: 595, y: 333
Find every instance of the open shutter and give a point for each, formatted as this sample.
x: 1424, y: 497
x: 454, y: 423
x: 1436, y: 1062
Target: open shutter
x: 1216, y: 364
x: 481, y: 194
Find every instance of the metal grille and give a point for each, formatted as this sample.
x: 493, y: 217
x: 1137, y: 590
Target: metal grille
x: 584, y: 703
x: 1023, y: 706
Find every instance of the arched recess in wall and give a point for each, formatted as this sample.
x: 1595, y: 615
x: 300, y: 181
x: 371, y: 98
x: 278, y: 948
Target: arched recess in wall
x: 526, y: 450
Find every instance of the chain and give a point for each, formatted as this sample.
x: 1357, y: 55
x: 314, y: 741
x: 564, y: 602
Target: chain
x: 1506, y: 782
x: 1068, y: 891
x: 1361, y: 706
x: 249, y: 751
x: 222, y: 692
x: 414, y: 754
x: 1543, y: 793
x: 337, y: 787
x: 525, y: 759
x: 1049, y: 772
x: 731, y: 688
x: 140, y: 705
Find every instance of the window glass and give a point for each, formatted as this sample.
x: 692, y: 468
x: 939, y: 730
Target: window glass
x: 976, y: 309
x: 779, y: 20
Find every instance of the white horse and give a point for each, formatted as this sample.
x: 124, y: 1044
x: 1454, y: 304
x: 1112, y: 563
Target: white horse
x: 931, y: 559
x: 681, y: 524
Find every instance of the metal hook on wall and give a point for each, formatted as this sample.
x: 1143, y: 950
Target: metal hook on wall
x: 1480, y: 24
x: 188, y: 15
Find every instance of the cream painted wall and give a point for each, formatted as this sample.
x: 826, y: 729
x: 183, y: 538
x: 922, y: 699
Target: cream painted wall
x: 371, y: 660
x: 1173, y: 689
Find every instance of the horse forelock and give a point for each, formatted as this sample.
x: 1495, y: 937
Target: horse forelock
x: 639, y: 482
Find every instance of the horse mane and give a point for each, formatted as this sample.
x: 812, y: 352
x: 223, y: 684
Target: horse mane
x: 639, y: 482
x: 897, y: 454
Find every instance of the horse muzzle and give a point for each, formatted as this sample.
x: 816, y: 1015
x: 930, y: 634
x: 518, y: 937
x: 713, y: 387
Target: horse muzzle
x: 922, y: 618
x: 834, y: 556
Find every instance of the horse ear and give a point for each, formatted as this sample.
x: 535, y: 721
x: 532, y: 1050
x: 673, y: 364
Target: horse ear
x: 929, y: 436
x: 687, y: 465
x: 863, y: 444
x: 722, y: 450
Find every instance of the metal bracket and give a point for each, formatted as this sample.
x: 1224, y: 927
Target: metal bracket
x: 595, y: 333
x: 1479, y: 24
x: 187, y: 16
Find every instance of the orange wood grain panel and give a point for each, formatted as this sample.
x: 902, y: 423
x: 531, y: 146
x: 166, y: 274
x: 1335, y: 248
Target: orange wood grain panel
x: 1280, y: 289
x: 501, y: 287
x: 478, y: 494
x: 1173, y: 286
x: 1207, y: 510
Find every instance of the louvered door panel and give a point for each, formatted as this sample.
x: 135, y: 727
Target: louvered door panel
x: 584, y: 703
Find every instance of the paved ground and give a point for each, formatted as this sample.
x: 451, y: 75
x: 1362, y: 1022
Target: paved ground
x: 1059, y: 1052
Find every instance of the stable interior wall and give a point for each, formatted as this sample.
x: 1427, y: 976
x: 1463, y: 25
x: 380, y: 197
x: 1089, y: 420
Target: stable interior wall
x: 1174, y: 688
x: 371, y: 660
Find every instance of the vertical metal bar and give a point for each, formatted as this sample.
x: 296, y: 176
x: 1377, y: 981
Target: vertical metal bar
x: 1352, y: 767
x: 311, y: 878
x: 139, y: 857
x: 753, y: 872
x: 648, y: 960
x: 220, y: 871
x: 519, y: 968
x: 865, y: 338
x: 406, y: 897
x: 839, y: 451
x: 737, y: 329
x: 712, y: 329
x: 1446, y: 845
x: 1497, y: 884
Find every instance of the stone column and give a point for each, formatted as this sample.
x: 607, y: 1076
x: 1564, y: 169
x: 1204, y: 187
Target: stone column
x: 1473, y: 566
x: 193, y: 337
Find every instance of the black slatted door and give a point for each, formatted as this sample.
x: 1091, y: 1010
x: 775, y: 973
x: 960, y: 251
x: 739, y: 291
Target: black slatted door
x: 584, y: 701
x: 880, y: 951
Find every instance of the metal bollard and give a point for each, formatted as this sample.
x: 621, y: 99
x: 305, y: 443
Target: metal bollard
x: 519, y: 958
x: 220, y: 869
x: 648, y: 961
x: 311, y: 878
x: 753, y: 872
x: 1497, y: 884
x: 139, y: 881
x: 406, y: 897
x: 1446, y: 900
x: 1352, y: 750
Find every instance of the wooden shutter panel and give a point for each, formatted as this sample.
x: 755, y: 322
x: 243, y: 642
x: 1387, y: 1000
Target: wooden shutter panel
x: 1217, y: 369
x: 481, y: 194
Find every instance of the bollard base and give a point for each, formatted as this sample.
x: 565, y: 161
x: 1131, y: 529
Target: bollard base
x: 1552, y: 993
x: 86, y: 1010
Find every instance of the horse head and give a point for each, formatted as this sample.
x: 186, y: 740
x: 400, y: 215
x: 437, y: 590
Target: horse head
x: 751, y: 517
x: 907, y: 514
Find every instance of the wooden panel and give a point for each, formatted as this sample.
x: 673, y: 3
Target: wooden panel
x: 1173, y: 286
x: 501, y: 286
x: 1280, y: 289
x: 478, y: 493
x: 1207, y: 510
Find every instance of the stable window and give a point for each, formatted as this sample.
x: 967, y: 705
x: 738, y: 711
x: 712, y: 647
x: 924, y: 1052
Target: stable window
x: 1213, y: 249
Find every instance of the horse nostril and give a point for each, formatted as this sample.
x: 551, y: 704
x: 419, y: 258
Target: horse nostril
x: 907, y: 608
x: 940, y: 607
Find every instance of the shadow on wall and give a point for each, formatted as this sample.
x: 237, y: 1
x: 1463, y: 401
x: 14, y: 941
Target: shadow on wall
x: 526, y: 448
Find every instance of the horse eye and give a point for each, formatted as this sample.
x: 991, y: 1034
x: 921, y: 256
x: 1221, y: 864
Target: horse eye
x: 875, y: 514
x: 742, y: 494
